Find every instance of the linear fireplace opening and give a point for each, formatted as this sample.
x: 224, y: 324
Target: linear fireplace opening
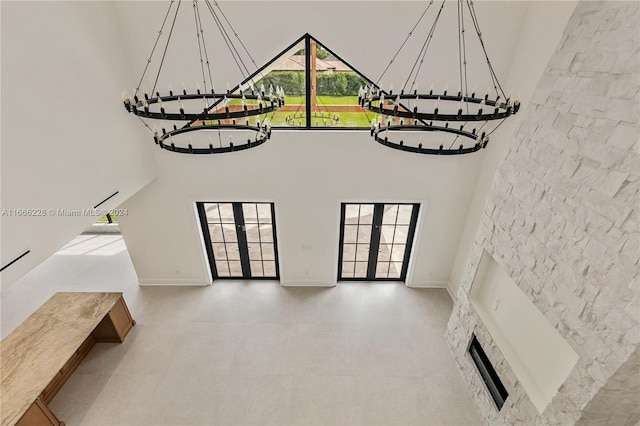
x: 488, y: 373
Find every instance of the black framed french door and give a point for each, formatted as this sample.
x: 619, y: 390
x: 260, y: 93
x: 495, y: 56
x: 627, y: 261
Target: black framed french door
x: 376, y: 240
x: 240, y: 239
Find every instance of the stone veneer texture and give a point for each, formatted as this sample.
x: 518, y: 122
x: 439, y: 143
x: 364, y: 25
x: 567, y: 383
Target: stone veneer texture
x: 563, y: 221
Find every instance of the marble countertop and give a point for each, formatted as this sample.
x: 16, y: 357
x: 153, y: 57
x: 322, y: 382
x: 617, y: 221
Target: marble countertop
x: 34, y: 352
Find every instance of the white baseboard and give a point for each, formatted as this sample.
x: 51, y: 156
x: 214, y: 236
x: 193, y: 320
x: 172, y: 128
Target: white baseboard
x: 429, y: 284
x: 451, y: 295
x: 172, y: 282
x: 103, y: 228
x: 303, y: 283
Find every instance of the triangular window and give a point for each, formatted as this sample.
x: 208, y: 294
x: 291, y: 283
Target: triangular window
x: 321, y: 89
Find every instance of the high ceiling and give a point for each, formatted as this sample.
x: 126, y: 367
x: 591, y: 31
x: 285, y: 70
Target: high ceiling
x: 365, y: 34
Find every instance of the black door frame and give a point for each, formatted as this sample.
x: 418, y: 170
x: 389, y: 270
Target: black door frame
x: 243, y: 247
x: 378, y: 211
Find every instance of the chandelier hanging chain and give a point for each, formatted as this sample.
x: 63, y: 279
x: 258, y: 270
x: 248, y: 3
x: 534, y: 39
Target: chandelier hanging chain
x: 423, y: 50
x: 421, y: 56
x: 228, y: 41
x: 232, y: 49
x: 154, y: 47
x: 454, y: 141
x: 494, y: 78
x: 146, y: 125
x: 166, y: 47
x: 200, y: 41
x: 496, y: 128
x: 237, y: 36
x: 462, y: 52
x: 204, y: 46
x: 404, y: 42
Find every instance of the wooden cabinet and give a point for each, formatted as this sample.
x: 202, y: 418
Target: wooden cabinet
x: 67, y: 370
x: 115, y: 326
x: 39, y: 415
x: 43, y: 352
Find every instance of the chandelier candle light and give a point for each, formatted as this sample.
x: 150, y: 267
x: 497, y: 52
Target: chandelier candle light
x: 216, y: 113
x: 461, y: 109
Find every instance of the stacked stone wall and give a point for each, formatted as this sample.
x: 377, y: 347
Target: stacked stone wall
x: 563, y: 221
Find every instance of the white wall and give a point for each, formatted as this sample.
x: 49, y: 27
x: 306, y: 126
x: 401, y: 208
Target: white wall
x: 102, y: 48
x: 67, y: 141
x: 541, y: 31
x: 307, y: 175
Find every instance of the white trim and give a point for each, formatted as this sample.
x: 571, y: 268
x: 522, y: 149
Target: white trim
x: 203, y: 251
x: 103, y: 228
x: 172, y: 282
x: 429, y: 284
x: 276, y: 230
x: 310, y: 283
x: 451, y: 295
x: 417, y: 232
x: 336, y: 242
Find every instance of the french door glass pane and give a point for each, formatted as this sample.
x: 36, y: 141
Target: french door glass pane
x: 395, y: 270
x: 362, y: 252
x: 256, y: 268
x: 219, y: 251
x: 250, y: 212
x: 352, y: 214
x: 401, y: 234
x: 390, y: 214
x: 253, y: 233
x: 223, y: 268
x: 213, y: 213
x: 386, y: 234
x: 268, y: 252
x: 349, y: 252
x: 266, y: 233
x: 404, y: 214
x: 235, y: 268
x: 347, y: 269
x: 269, y: 268
x: 366, y: 214
x: 384, y: 253
x: 215, y: 231
x: 229, y: 231
x: 226, y: 212
x: 382, y: 268
x: 397, y: 254
x: 364, y: 234
x: 264, y: 213
x: 361, y: 270
x: 350, y: 233
x: 254, y: 251
x: 233, y: 253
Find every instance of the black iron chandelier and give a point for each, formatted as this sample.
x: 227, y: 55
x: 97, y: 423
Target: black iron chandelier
x: 229, y: 110
x: 456, y: 113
